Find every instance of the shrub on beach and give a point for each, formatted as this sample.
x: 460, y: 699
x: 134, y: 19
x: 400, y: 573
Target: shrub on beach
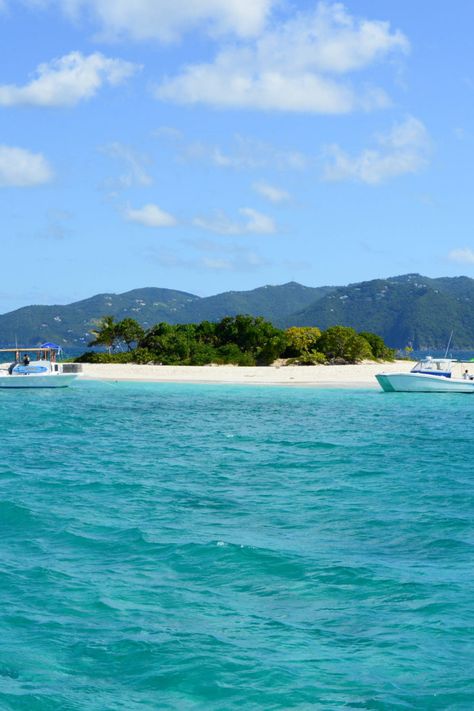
x: 94, y: 357
x: 308, y: 358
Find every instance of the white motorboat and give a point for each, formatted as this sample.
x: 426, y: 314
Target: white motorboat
x: 38, y: 370
x: 431, y: 375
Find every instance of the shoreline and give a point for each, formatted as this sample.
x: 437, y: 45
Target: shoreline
x: 360, y: 375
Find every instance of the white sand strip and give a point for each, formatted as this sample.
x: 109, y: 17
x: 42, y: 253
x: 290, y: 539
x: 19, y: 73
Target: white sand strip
x: 360, y: 375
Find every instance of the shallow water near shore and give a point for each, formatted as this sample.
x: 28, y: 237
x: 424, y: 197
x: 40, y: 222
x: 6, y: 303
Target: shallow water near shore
x: 177, y: 546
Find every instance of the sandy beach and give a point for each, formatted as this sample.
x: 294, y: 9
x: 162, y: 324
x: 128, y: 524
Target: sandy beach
x: 341, y: 376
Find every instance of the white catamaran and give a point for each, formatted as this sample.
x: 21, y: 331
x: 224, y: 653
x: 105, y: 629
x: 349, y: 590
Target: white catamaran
x: 36, y: 368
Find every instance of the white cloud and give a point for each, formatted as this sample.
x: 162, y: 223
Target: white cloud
x: 402, y: 150
x: 246, y: 154
x: 67, y: 81
x: 255, y: 223
x: 136, y: 173
x: 271, y: 192
x: 150, y: 216
x: 295, y: 66
x: 166, y: 21
x: 21, y: 168
x: 462, y: 256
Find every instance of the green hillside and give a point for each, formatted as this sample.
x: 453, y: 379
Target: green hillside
x: 70, y: 325
x: 272, y: 302
x: 410, y: 309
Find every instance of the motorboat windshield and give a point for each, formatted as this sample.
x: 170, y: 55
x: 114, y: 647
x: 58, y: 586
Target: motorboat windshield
x: 434, y: 366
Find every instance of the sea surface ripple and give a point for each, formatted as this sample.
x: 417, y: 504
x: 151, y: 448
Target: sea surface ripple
x: 173, y: 546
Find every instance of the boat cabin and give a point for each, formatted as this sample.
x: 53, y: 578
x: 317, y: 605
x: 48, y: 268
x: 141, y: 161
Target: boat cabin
x: 434, y: 366
x: 29, y: 361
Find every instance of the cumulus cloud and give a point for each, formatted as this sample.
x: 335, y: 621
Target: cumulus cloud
x: 151, y: 216
x: 271, y: 192
x: 67, y: 81
x: 295, y: 66
x: 21, y: 168
x: 255, y: 223
x: 167, y: 21
x: 404, y: 149
x: 462, y: 256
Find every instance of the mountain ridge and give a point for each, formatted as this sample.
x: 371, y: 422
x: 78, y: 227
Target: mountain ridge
x: 408, y: 309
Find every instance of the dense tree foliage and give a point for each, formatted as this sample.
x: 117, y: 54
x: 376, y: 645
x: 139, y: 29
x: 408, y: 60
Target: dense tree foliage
x: 240, y: 340
x: 111, y: 333
x: 105, y: 334
x: 344, y: 343
x: 130, y: 332
x: 301, y: 345
x: 378, y: 347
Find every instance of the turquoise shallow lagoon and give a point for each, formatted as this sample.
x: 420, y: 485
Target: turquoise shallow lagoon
x: 168, y: 546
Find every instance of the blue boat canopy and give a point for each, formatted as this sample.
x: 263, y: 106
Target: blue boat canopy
x: 51, y: 346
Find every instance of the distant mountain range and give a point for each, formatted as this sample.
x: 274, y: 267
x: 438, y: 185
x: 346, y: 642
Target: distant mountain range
x: 410, y: 309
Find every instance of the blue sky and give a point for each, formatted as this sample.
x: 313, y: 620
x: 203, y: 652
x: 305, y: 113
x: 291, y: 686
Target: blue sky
x: 227, y: 144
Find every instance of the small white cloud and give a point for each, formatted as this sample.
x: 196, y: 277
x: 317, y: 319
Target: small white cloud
x: 462, y: 256
x: 246, y: 154
x: 295, y: 66
x: 151, y: 216
x: 67, y: 81
x: 169, y: 132
x: 167, y: 21
x: 21, y: 168
x: 271, y: 192
x: 404, y: 149
x: 256, y: 223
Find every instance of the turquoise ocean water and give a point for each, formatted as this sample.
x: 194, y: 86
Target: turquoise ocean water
x: 212, y: 547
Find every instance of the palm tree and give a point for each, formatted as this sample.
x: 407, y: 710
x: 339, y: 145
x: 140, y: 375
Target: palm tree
x: 105, y: 333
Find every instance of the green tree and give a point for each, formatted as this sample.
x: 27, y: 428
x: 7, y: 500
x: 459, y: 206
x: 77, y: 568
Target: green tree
x: 129, y: 331
x: 206, y: 332
x: 253, y: 335
x: 170, y: 344
x: 378, y: 346
x: 301, y: 339
x: 344, y: 343
x: 105, y: 334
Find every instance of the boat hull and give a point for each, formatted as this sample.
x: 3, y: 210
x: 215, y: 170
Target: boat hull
x: 422, y: 383
x: 58, y: 380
